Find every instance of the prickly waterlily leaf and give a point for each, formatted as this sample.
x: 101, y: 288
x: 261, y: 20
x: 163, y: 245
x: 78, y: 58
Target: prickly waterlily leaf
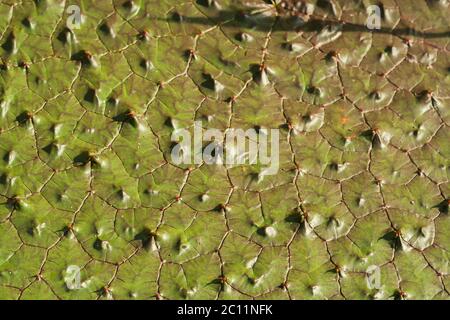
x: 95, y: 97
